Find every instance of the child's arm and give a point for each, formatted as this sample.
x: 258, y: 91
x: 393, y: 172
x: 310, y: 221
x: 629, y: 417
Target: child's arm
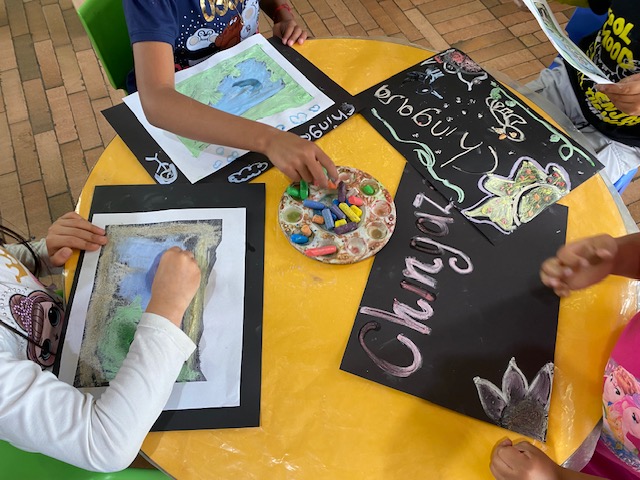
x: 168, y: 109
x: 41, y: 413
x: 284, y: 23
x: 523, y: 461
x: 586, y: 262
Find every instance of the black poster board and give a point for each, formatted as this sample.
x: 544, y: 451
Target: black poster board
x: 464, y: 306
x: 479, y: 145
x: 251, y: 164
x: 145, y: 198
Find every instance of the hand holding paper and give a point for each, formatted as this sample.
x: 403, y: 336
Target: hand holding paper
x: 71, y: 231
x: 625, y: 94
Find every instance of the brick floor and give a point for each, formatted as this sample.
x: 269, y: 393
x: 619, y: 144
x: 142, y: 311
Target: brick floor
x: 52, y: 88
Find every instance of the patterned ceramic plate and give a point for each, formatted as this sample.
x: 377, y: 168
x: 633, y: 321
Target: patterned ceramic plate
x: 377, y: 221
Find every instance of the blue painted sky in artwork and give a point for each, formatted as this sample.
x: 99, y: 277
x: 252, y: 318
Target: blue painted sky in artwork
x: 252, y: 87
x: 141, y: 255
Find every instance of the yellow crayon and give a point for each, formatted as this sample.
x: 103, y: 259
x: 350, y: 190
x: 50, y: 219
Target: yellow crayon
x: 356, y: 210
x: 340, y: 222
x: 349, y: 213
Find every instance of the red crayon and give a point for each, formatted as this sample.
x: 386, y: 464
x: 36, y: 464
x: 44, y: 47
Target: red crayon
x: 318, y: 251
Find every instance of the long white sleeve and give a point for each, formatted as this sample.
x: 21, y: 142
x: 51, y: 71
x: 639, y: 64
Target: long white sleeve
x: 23, y: 255
x: 40, y: 413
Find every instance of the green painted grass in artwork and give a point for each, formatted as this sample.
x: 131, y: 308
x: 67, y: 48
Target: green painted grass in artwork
x: 117, y: 338
x: 203, y: 87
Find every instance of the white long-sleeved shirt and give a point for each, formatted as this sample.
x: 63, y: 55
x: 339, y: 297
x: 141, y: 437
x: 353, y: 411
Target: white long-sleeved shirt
x: 40, y: 413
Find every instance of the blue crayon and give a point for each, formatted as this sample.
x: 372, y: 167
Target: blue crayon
x: 335, y: 201
x: 299, y: 238
x: 337, y: 212
x: 328, y: 218
x: 313, y: 204
x: 318, y: 211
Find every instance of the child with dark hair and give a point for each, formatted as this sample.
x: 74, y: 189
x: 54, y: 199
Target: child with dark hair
x: 42, y: 414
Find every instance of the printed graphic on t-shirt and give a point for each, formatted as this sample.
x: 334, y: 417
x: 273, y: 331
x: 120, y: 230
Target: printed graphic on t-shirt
x: 216, y: 26
x: 621, y: 414
x: 613, y: 51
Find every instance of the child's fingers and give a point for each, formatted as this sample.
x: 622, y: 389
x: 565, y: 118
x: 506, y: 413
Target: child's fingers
x: 305, y: 174
x: 327, y: 163
x: 80, y: 239
x: 499, y: 469
x: 552, y: 269
x: 60, y: 257
x: 76, y: 221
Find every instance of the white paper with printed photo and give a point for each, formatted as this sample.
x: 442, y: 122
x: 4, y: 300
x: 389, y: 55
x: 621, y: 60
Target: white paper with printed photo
x: 243, y: 81
x: 220, y: 346
x: 570, y: 52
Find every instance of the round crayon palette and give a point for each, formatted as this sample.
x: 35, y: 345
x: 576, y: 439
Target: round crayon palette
x: 369, y: 225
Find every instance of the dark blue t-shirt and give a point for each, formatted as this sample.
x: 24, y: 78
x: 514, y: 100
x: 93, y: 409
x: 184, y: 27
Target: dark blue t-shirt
x: 195, y: 28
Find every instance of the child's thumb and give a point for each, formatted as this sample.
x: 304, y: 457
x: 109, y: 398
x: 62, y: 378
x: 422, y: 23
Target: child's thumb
x: 61, y: 256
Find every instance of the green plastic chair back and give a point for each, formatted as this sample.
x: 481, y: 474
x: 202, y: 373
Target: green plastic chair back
x: 17, y: 464
x: 106, y: 27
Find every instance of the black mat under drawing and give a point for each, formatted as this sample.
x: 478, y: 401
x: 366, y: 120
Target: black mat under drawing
x: 480, y: 320
x: 440, y: 108
x: 251, y: 164
x: 143, y: 198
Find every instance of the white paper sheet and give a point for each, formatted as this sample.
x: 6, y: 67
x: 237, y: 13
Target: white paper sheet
x: 214, y: 157
x: 220, y: 346
x: 563, y: 44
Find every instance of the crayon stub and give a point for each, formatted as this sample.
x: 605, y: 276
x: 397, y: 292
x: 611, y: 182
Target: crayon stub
x: 305, y: 230
x: 342, y: 192
x: 357, y: 201
x: 356, y: 210
x: 349, y: 213
x: 313, y: 204
x: 328, y: 218
x: 339, y: 223
x: 338, y: 213
x: 319, y: 251
x: 293, y: 191
x: 367, y: 190
x: 332, y: 185
x: 319, y: 219
x: 299, y: 239
x: 304, y: 189
x: 349, y: 227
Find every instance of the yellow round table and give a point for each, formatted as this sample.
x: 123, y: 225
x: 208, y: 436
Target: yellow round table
x: 318, y: 422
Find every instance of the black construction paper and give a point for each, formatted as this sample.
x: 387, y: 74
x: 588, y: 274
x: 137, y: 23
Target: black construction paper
x: 476, y: 141
x: 468, y: 309
x: 251, y: 164
x: 143, y: 198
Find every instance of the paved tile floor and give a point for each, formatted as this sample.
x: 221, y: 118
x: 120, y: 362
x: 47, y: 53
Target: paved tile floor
x: 52, y: 87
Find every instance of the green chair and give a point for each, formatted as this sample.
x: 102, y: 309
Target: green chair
x: 105, y: 25
x: 24, y: 465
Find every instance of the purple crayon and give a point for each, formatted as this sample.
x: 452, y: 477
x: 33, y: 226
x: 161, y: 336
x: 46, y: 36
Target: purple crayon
x: 337, y: 212
x: 342, y: 192
x: 349, y: 227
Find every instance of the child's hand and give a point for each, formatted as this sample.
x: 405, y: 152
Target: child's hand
x: 300, y: 159
x: 522, y: 461
x: 579, y: 264
x: 625, y: 94
x: 175, y: 284
x: 72, y: 231
x: 290, y: 32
